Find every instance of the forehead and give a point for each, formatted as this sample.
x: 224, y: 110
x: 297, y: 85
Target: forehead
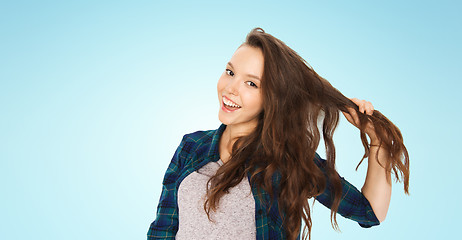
x: 248, y: 60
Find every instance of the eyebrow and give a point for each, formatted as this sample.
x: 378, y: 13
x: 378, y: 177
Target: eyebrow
x: 248, y: 75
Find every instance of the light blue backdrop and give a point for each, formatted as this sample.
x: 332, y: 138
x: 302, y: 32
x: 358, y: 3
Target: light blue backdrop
x: 95, y: 96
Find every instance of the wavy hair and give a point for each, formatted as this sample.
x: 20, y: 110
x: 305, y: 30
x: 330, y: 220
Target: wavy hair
x: 295, y: 99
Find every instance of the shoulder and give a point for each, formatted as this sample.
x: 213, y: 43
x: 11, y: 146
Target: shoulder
x: 320, y: 162
x: 199, y: 136
x: 199, y: 142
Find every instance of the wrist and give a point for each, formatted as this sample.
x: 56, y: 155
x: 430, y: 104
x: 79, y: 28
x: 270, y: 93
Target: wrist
x: 378, y: 146
x: 375, y: 140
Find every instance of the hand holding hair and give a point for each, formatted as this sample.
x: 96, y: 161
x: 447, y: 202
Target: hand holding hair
x: 364, y: 107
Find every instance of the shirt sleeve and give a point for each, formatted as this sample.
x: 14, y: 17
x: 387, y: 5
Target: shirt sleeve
x: 353, y: 205
x: 165, y: 226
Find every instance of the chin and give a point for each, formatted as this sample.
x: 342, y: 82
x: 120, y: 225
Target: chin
x: 223, y: 119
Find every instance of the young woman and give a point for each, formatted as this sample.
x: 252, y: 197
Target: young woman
x: 251, y: 178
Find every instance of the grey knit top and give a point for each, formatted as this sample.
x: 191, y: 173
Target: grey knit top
x: 235, y: 216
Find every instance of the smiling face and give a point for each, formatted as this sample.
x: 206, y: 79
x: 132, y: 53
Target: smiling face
x: 239, y: 88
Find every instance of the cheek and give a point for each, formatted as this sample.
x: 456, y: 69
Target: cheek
x: 259, y: 102
x: 259, y: 105
x: 255, y: 102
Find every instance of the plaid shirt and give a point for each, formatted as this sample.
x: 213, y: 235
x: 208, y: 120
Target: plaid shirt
x: 201, y: 147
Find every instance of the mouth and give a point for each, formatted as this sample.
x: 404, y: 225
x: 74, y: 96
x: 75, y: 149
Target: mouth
x: 229, y: 106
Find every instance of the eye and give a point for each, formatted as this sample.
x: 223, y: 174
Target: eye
x: 252, y: 84
x: 229, y: 72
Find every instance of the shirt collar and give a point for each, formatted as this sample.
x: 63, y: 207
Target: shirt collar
x: 214, y: 148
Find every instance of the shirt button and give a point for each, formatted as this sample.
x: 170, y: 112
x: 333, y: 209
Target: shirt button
x: 260, y: 211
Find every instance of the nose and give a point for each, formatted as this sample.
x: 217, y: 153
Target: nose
x: 233, y: 87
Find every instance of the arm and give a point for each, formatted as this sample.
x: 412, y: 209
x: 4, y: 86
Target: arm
x: 165, y: 226
x: 377, y: 186
x: 354, y: 205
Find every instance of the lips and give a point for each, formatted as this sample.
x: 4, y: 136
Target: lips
x: 229, y: 105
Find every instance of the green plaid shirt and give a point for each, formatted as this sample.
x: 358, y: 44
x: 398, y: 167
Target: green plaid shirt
x: 201, y: 147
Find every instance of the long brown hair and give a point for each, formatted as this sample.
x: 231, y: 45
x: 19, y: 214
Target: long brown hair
x: 295, y: 98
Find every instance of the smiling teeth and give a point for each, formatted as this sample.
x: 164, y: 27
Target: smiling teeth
x: 229, y: 103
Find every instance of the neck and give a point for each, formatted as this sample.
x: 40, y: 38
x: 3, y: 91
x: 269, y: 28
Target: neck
x: 230, y: 135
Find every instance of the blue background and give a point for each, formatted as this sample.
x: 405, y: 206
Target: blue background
x: 95, y: 96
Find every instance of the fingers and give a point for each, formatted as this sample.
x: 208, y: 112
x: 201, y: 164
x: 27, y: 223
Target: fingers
x: 348, y: 117
x: 352, y: 117
x: 364, y: 106
x: 369, y: 108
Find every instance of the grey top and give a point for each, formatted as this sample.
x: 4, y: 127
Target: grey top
x: 235, y: 216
